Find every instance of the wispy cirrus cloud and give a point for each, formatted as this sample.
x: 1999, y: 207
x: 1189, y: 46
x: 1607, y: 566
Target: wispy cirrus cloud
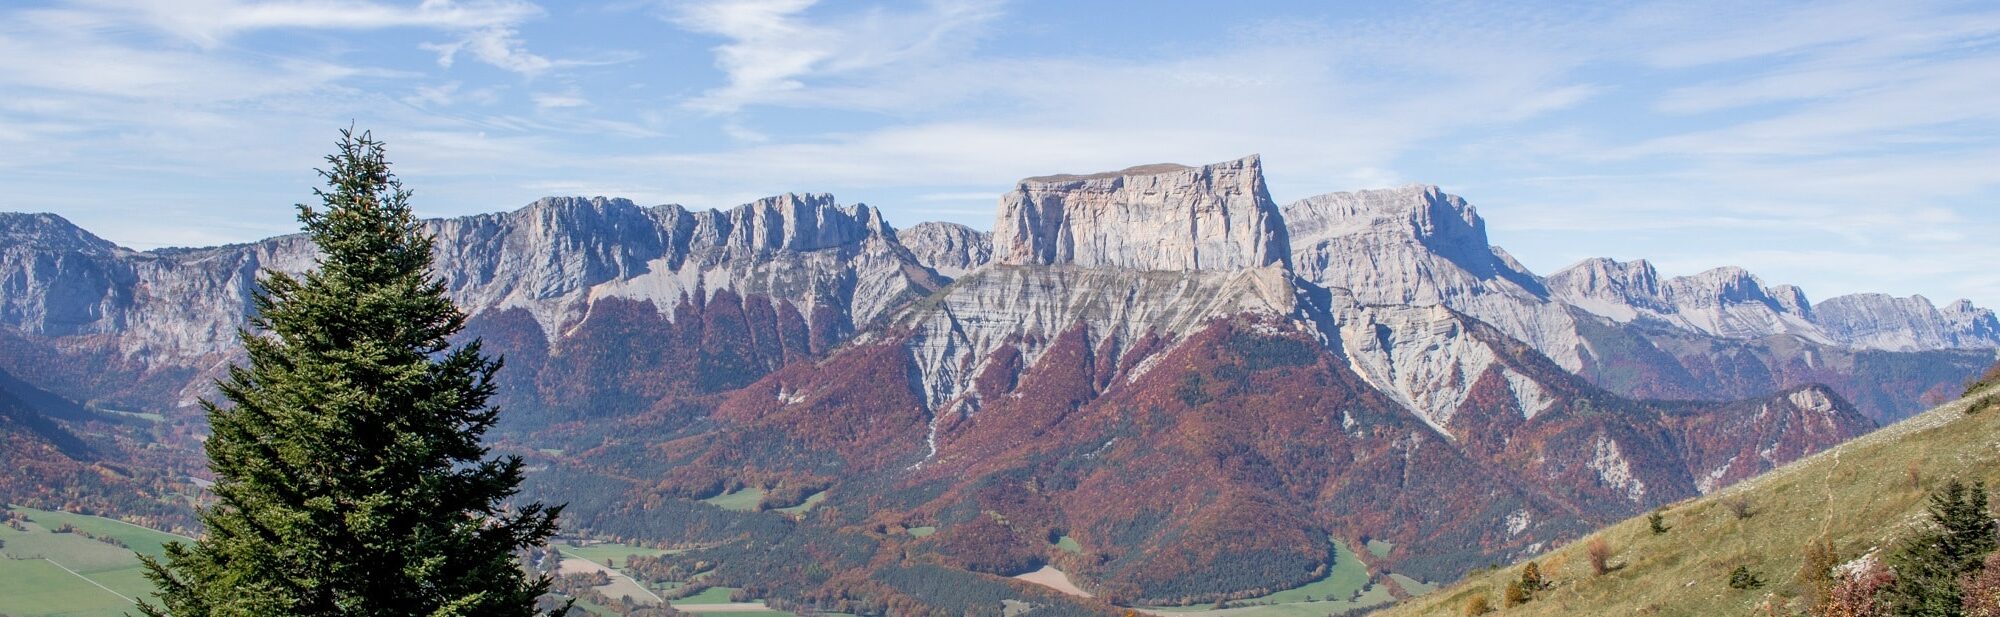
x: 773, y: 48
x: 209, y: 23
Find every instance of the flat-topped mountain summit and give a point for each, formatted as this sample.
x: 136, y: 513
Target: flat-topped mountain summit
x: 1152, y: 217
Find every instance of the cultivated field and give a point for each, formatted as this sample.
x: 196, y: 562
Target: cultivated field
x: 1344, y: 588
x: 48, y: 574
x: 742, y: 500
x: 611, y: 553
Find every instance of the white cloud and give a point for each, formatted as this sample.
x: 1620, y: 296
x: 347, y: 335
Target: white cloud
x: 487, y: 30
x: 68, y: 62
x: 773, y: 49
x: 549, y: 100
x: 211, y: 22
x: 499, y: 46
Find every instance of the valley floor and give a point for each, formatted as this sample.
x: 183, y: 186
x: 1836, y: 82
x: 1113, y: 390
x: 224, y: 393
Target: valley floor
x: 48, y: 574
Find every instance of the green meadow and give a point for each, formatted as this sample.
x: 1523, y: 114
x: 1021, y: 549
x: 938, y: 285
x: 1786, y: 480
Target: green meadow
x: 48, y: 574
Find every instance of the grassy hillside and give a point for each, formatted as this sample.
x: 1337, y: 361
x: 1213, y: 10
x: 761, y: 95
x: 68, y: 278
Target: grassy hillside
x: 47, y: 574
x: 1862, y: 496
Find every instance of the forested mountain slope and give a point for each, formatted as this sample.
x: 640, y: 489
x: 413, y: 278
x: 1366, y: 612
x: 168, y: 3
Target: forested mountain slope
x: 1862, y: 498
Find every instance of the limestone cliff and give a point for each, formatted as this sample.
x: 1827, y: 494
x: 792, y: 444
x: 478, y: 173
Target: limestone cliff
x: 1154, y: 217
x: 837, y: 267
x: 949, y: 248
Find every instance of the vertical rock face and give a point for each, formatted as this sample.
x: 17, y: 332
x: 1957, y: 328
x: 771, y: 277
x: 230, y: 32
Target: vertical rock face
x: 48, y: 232
x: 1413, y: 245
x: 1154, y: 217
x: 953, y: 336
x: 835, y: 266
x: 557, y: 255
x: 1615, y: 289
x: 949, y: 248
x: 1419, y: 246
x: 1731, y: 303
x: 1727, y: 302
x: 54, y: 276
x: 1881, y: 321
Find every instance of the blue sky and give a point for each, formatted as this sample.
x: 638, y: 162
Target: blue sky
x: 1841, y: 147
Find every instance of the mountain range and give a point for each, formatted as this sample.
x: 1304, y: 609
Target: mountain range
x: 1158, y: 380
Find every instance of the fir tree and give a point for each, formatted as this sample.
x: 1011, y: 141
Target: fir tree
x: 1929, y: 565
x: 350, y: 477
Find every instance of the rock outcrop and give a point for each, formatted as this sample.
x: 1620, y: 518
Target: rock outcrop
x: 1418, y: 246
x: 954, y: 335
x: 556, y: 256
x: 1881, y: 321
x: 1731, y: 303
x: 950, y: 249
x: 1153, y: 252
x: 1154, y: 217
x: 1727, y: 302
x: 835, y: 267
x: 1413, y: 245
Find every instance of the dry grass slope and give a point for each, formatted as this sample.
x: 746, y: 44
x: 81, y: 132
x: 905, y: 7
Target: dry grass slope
x: 1861, y: 495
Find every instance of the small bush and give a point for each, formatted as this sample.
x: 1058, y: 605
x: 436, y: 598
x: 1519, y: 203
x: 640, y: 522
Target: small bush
x: 1599, y: 552
x: 1531, y: 577
x: 1743, y: 578
x: 1523, y: 591
x: 1816, y: 572
x: 1657, y: 521
x: 1982, y: 404
x: 1740, y: 506
x: 1857, y: 593
x: 1980, y: 591
x: 1478, y: 605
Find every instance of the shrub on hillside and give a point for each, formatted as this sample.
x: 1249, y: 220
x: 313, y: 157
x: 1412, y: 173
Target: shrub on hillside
x: 1657, y: 521
x: 1478, y: 605
x: 1980, y: 595
x: 1523, y: 591
x: 1982, y: 404
x: 1531, y: 577
x: 1856, y: 592
x: 1990, y: 377
x: 1815, y: 579
x: 1599, y: 552
x: 1743, y: 578
x: 1740, y: 507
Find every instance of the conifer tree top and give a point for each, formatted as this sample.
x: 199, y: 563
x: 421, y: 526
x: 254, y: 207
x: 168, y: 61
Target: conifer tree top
x: 350, y: 474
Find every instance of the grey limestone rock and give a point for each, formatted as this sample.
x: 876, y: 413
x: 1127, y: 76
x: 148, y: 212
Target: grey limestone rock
x: 1154, y: 217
